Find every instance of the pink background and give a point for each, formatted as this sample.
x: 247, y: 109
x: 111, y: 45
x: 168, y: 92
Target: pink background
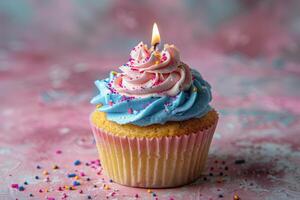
x: 52, y: 51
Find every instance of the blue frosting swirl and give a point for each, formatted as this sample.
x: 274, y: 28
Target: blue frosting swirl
x: 144, y: 111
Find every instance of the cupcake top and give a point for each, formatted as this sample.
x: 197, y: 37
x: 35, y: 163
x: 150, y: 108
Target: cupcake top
x: 154, y: 87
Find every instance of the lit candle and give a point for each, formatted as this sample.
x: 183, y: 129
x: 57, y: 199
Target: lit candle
x: 155, y: 37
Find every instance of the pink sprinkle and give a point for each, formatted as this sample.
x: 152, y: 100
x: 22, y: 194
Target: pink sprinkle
x: 50, y: 198
x: 40, y: 190
x: 110, y: 103
x: 130, y: 111
x: 58, y: 152
x: 136, y: 196
x: 14, y: 185
x: 60, y: 189
x: 80, y: 191
x: 82, y: 174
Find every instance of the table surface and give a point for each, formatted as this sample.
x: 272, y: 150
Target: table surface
x: 255, y: 153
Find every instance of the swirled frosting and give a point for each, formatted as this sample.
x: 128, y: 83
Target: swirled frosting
x: 153, y: 88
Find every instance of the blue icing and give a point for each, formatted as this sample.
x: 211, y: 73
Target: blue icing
x: 154, y: 110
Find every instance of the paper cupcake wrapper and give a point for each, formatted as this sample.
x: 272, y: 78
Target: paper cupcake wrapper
x: 153, y: 162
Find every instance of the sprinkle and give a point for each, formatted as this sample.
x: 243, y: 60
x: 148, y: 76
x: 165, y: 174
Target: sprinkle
x: 110, y: 103
x: 156, y: 62
x: 38, y: 167
x: 76, y: 183
x: 149, y: 191
x: 31, y: 195
x: 221, y: 196
x: 106, y: 187
x: 153, y: 194
x: 46, y: 190
x: 110, y: 180
x: 71, y: 175
x: 37, y: 177
x: 25, y: 183
x: 195, y: 89
x: 89, y: 197
x: 114, y: 73
x: 15, y: 185
x: 45, y: 172
x: 40, y: 190
x: 88, y: 179
x: 80, y: 192
x: 136, y: 196
x: 226, y: 168
x: 82, y: 174
x: 130, y: 111
x: 99, y: 105
x: 60, y: 188
x: 77, y: 162
x: 55, y: 167
x: 50, y: 198
x: 58, y: 152
x: 236, y: 197
x: 241, y: 161
x: 76, y: 177
x: 66, y: 187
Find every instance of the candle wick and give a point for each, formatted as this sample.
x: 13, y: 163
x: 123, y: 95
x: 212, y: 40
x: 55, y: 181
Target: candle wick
x: 155, y: 46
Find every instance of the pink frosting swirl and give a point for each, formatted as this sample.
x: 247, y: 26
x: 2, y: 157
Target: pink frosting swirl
x: 153, y: 73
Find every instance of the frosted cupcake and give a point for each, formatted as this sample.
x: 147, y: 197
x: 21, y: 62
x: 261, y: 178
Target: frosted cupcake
x: 153, y: 124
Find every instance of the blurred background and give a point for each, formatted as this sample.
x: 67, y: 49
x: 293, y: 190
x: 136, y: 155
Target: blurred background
x: 105, y: 28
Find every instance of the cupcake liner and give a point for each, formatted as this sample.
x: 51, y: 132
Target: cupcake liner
x: 159, y: 162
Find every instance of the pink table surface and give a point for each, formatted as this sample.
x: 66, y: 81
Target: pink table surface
x: 252, y: 64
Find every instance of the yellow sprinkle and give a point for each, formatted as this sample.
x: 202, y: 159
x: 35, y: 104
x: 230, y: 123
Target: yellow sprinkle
x: 195, y: 89
x: 236, y: 197
x: 114, y: 73
x: 99, y: 106
x: 45, y: 172
x: 149, y: 191
x: 67, y: 187
x: 76, y: 177
x: 71, y: 188
x: 46, y: 190
x: 106, y: 187
x: 156, y: 62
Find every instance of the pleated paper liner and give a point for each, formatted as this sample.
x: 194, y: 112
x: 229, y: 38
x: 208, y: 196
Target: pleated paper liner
x: 154, y: 162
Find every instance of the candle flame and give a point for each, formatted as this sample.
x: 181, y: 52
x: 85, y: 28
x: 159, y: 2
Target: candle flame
x: 155, y: 35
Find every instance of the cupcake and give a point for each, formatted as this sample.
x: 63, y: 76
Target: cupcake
x: 153, y: 124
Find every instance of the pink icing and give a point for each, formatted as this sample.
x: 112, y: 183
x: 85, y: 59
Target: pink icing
x: 153, y: 73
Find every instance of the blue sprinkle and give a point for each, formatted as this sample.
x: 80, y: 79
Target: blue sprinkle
x: 25, y: 183
x: 76, y: 183
x: 71, y: 175
x: 21, y: 188
x: 36, y: 177
x: 77, y: 162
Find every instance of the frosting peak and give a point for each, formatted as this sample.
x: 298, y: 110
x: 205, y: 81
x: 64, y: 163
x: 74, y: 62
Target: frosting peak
x: 153, y: 73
